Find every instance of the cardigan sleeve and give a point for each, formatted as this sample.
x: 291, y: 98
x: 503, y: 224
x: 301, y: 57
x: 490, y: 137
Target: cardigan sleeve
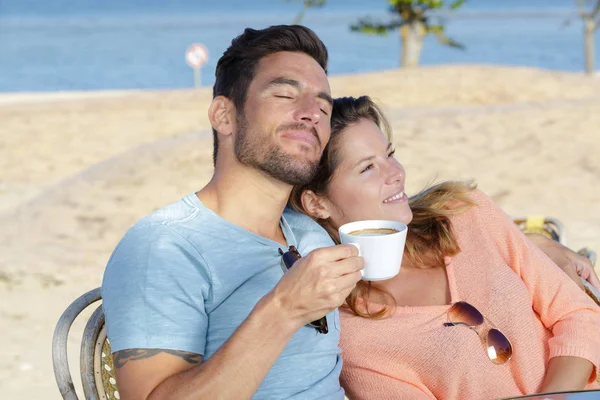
x: 561, y: 305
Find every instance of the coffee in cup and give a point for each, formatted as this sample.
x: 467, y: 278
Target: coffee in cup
x: 380, y: 243
x: 373, y: 232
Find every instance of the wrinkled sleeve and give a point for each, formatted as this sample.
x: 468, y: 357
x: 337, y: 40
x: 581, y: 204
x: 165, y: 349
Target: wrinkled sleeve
x: 562, y: 306
x: 154, y: 292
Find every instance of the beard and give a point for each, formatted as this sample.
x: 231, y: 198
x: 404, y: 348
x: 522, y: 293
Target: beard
x: 254, y: 149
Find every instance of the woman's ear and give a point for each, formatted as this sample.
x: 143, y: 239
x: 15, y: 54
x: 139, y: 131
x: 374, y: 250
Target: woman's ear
x: 315, y: 205
x: 221, y: 115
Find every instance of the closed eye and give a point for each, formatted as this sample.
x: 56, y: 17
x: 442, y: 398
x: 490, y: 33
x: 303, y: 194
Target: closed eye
x: 324, y: 112
x: 281, y: 96
x: 391, y: 153
x: 368, y: 167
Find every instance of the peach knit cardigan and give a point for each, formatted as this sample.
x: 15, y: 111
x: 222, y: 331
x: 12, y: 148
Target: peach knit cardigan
x: 411, y: 355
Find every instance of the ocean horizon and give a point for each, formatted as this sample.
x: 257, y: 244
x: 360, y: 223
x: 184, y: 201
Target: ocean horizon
x: 63, y: 45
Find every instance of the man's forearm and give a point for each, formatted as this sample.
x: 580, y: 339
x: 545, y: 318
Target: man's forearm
x: 566, y: 373
x: 237, y: 369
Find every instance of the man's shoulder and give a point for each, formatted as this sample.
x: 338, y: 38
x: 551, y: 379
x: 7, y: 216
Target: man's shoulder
x: 161, y: 238
x: 299, y: 221
x: 178, y: 213
x: 309, y: 233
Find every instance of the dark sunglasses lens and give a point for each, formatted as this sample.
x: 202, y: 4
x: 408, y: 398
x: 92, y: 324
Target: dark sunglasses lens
x: 499, y: 348
x: 289, y: 259
x: 465, y: 313
x: 320, y: 325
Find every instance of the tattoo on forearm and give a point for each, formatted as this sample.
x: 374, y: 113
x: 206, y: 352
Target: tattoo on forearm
x: 121, y: 358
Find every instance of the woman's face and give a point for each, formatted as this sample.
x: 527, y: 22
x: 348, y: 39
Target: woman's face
x: 368, y: 182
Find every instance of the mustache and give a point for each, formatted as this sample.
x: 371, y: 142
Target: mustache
x: 298, y: 126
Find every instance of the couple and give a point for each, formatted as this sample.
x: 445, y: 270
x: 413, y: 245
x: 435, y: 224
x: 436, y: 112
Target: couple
x: 197, y: 304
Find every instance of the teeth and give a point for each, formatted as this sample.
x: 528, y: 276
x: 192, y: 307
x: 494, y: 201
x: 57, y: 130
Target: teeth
x: 396, y: 197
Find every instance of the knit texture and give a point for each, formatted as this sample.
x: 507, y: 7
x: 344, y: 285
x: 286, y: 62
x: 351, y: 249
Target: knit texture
x: 411, y: 355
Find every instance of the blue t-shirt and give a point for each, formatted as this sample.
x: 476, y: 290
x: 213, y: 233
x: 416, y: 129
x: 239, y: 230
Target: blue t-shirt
x: 185, y: 279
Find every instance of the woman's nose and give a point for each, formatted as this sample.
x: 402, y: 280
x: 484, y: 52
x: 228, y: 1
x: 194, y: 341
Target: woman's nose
x: 394, y: 172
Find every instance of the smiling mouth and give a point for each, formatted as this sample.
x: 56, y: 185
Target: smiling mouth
x: 397, y: 196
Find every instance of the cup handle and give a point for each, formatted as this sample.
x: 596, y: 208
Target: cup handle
x: 362, y: 271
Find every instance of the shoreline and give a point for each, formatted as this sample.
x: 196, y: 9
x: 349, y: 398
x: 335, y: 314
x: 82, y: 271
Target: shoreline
x: 32, y: 97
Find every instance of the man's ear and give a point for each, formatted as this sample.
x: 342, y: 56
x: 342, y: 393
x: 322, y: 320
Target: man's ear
x: 316, y: 206
x: 221, y: 115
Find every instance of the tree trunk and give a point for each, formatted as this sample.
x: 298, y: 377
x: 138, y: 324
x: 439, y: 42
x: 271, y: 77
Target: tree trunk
x: 589, y: 26
x: 411, y: 35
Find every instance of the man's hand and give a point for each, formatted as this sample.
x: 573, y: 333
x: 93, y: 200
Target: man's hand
x: 318, y: 283
x: 576, y: 266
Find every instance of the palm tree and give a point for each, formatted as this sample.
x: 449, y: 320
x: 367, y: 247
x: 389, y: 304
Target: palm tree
x: 591, y: 22
x: 415, y: 19
x: 306, y: 4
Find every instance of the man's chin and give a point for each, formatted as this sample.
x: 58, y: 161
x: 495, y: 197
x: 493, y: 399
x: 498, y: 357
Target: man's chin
x: 291, y: 167
x: 304, y: 158
x: 293, y: 173
x: 302, y: 149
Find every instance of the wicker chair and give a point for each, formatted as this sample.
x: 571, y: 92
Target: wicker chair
x: 96, y: 363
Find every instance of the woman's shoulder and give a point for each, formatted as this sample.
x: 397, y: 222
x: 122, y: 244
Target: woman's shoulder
x: 475, y: 216
x: 475, y: 201
x: 480, y: 197
x: 484, y: 219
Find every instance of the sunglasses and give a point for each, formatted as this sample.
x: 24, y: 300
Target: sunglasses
x: 289, y: 258
x: 499, y: 349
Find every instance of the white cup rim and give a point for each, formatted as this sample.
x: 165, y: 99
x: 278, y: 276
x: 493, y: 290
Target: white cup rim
x: 378, y: 223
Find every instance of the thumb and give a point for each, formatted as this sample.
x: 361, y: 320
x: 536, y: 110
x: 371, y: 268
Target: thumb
x: 592, y: 278
x: 575, y: 277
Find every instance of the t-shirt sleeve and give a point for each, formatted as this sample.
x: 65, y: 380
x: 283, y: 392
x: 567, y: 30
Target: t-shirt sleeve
x: 561, y: 305
x: 154, y: 292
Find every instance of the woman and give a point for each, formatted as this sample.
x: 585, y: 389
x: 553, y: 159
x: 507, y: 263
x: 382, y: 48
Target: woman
x: 409, y: 337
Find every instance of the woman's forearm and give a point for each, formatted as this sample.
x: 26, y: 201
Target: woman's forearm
x: 566, y: 373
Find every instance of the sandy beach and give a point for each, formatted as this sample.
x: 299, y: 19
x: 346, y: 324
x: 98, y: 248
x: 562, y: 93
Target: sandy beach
x: 78, y: 169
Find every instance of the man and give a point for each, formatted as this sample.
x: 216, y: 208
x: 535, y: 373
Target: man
x: 197, y: 304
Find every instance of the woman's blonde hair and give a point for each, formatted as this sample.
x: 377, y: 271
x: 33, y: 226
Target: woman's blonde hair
x: 430, y: 237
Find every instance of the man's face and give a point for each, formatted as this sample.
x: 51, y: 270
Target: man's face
x: 285, y: 123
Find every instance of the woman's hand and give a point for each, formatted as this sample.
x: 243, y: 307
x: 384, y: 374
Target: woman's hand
x: 576, y: 266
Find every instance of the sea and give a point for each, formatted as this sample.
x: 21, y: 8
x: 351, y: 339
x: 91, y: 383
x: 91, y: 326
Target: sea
x: 74, y: 45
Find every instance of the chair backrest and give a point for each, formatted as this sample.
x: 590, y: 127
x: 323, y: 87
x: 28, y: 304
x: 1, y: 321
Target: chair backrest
x: 552, y: 228
x: 96, y: 363
x: 547, y: 226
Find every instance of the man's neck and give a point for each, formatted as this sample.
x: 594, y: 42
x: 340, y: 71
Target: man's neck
x: 248, y: 198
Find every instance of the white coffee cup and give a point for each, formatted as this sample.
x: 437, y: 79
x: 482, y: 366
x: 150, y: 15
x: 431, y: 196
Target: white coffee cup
x: 378, y: 244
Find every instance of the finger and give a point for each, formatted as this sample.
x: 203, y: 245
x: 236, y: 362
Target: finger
x: 571, y: 271
x: 346, y: 283
x: 346, y: 266
x: 592, y: 278
x: 334, y: 253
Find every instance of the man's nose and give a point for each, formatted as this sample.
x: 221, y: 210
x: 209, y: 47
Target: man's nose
x: 308, y: 110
